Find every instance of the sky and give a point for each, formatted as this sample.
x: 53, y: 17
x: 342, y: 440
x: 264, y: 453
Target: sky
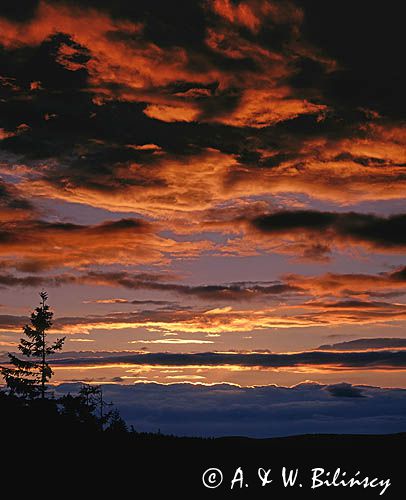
x: 211, y: 192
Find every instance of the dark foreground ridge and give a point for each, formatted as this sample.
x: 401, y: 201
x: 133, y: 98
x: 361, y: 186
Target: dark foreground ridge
x: 79, y: 458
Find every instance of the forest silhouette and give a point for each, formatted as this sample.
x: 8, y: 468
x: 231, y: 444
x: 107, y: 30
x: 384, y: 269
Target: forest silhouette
x: 27, y: 395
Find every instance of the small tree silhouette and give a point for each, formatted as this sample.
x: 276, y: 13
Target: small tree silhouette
x: 81, y: 409
x: 28, y: 378
x: 92, y: 396
x: 116, y: 423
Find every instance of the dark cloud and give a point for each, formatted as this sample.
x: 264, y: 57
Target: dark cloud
x: 46, y: 96
x: 344, y: 360
x: 11, y: 198
x: 399, y: 275
x: 228, y: 292
x: 10, y: 280
x: 11, y: 323
x: 366, y: 344
x: 111, y: 279
x: 369, y: 72
x: 164, y: 303
x: 350, y: 286
x: 351, y: 304
x: 344, y: 390
x: 386, y: 232
x: 25, y: 10
x: 154, y: 281
x: 161, y: 303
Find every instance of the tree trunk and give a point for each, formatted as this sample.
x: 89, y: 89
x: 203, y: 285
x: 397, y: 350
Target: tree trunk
x: 43, y: 367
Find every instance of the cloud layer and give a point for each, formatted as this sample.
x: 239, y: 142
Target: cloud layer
x: 227, y: 410
x: 373, y: 360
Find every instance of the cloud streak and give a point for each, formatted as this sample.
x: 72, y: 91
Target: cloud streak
x: 342, y: 228
x: 373, y: 360
x: 366, y: 344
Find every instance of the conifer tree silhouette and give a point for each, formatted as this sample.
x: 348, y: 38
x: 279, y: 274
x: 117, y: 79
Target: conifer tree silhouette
x: 116, y: 423
x: 92, y: 395
x: 28, y: 377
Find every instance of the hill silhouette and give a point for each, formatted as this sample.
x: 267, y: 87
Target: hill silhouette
x: 117, y: 459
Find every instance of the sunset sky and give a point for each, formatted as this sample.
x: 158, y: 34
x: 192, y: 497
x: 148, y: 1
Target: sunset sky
x: 219, y: 177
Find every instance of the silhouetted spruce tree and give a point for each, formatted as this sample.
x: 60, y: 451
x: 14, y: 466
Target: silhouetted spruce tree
x: 79, y: 410
x: 92, y: 397
x: 28, y: 377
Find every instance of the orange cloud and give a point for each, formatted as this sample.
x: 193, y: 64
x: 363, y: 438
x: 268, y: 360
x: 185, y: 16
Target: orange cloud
x: 167, y: 113
x: 135, y: 65
x: 35, y: 245
x: 242, y: 13
x: 129, y: 67
x: 251, y: 13
x: 5, y: 134
x: 361, y: 285
x: 212, y: 186
x: 232, y: 321
x: 156, y: 191
x: 261, y: 108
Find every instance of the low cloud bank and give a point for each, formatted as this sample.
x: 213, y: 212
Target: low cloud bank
x: 228, y: 410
